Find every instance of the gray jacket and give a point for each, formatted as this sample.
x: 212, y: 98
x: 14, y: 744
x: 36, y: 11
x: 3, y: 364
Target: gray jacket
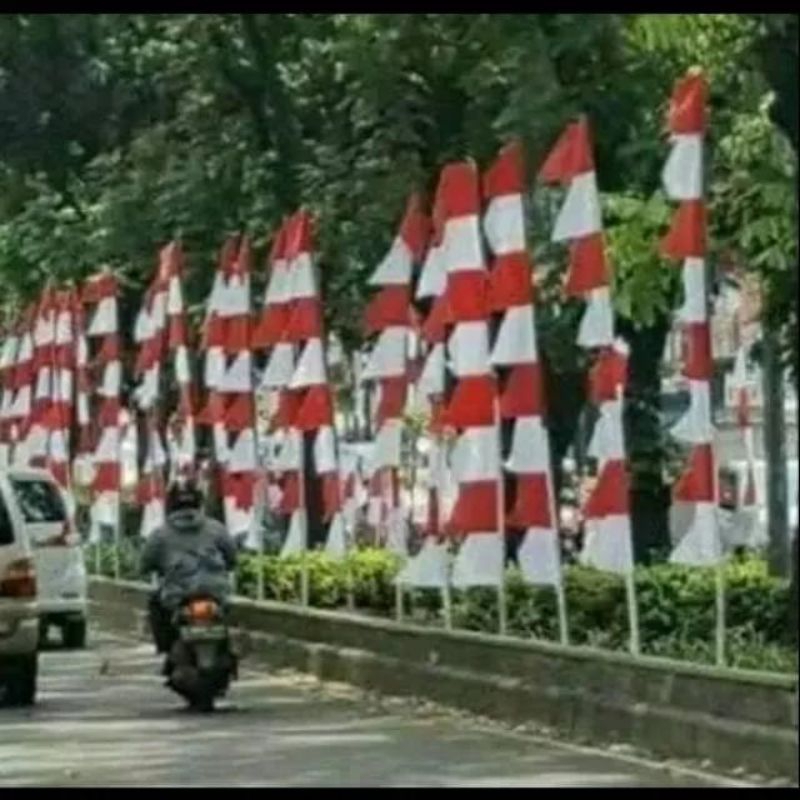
x: 191, y: 554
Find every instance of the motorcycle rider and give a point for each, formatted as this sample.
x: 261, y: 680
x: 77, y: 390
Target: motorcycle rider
x: 191, y: 554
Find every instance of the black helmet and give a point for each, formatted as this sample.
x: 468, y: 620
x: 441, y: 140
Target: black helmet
x: 184, y: 495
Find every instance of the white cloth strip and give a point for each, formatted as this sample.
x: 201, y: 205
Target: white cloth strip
x: 580, y: 213
x: 516, y: 339
x: 480, y: 561
x: 682, y: 175
x: 504, y: 224
x: 395, y: 269
x: 475, y: 455
x: 608, y: 544
x: 530, y: 450
x: 469, y: 349
x: 462, y: 249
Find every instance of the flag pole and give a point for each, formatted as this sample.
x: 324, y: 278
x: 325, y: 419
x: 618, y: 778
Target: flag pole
x: 348, y: 539
x: 447, y: 600
x: 117, y: 507
x: 502, y: 598
x: 720, y: 633
x: 258, y: 522
x: 262, y: 493
x: 304, y: 582
x: 719, y: 582
x: 398, y: 601
x: 350, y: 598
x: 630, y: 583
x: 398, y: 587
x: 98, y: 561
x: 561, y: 604
x: 447, y: 594
x: 117, y: 520
x: 561, y: 596
x: 633, y: 612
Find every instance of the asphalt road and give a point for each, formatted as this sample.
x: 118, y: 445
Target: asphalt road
x: 104, y: 719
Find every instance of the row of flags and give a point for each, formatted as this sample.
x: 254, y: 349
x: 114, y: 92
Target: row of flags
x: 62, y: 375
x: 451, y: 329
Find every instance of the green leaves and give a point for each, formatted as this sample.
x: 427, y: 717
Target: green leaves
x: 676, y: 604
x: 754, y: 208
x: 154, y: 125
x: 643, y: 283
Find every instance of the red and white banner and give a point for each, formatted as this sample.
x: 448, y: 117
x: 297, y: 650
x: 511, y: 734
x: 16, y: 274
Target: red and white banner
x: 515, y: 355
x: 388, y: 315
x: 695, y: 492
x: 608, y: 542
x: 100, y: 296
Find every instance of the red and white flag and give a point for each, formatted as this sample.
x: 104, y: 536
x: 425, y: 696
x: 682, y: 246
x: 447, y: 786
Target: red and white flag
x: 472, y: 411
x: 21, y: 381
x: 388, y: 315
x: 306, y: 404
x: 100, y: 296
x: 515, y: 352
x: 695, y: 493
x: 608, y: 540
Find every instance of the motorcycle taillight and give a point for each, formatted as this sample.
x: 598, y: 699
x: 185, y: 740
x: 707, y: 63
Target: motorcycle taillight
x: 201, y: 610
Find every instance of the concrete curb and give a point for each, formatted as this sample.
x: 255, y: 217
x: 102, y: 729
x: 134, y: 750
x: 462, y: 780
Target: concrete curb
x: 673, y: 710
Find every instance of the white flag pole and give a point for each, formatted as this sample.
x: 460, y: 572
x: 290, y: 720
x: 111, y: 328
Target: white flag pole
x: 350, y: 596
x: 117, y: 521
x: 350, y: 540
x: 98, y: 561
x: 348, y: 536
x: 398, y: 601
x: 399, y: 593
x: 633, y: 612
x: 258, y: 512
x: 304, y: 579
x: 447, y: 599
x: 447, y: 594
x: 502, y: 598
x: 117, y: 507
x: 720, y: 634
x: 561, y: 596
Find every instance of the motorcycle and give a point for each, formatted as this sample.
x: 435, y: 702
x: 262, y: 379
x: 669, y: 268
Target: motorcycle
x: 201, y: 662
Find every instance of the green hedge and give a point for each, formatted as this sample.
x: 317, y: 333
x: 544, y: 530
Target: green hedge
x: 676, y: 604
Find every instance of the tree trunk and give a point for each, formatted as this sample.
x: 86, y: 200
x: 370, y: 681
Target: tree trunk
x: 793, y: 598
x: 317, y: 529
x: 650, y: 497
x: 565, y: 394
x: 775, y: 453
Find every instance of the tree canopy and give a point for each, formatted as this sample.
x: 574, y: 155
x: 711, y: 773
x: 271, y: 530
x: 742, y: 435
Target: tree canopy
x: 118, y: 132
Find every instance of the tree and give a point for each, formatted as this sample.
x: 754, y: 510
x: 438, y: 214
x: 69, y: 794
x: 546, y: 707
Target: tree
x: 197, y: 126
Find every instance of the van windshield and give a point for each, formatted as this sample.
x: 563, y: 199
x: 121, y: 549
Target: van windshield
x: 38, y: 501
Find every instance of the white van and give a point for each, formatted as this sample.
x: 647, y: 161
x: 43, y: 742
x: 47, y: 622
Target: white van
x: 19, y: 622
x: 58, y: 555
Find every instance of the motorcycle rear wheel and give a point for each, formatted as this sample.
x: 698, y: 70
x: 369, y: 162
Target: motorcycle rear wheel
x: 203, y: 704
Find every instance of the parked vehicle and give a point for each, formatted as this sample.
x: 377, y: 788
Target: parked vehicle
x: 57, y: 551
x: 19, y: 622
